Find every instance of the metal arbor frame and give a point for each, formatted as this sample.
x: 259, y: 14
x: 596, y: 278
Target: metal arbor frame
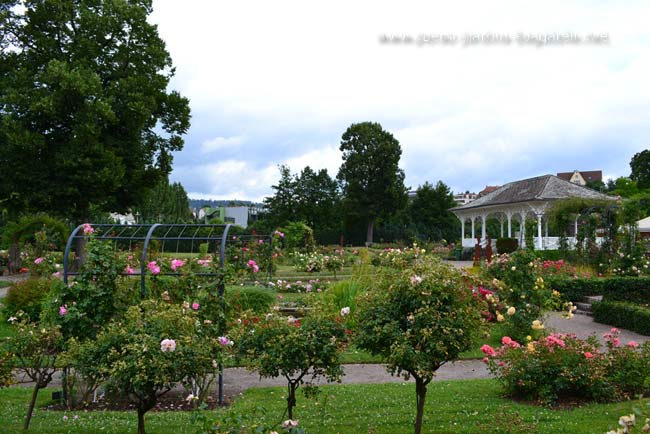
x: 132, y: 235
x: 186, y: 235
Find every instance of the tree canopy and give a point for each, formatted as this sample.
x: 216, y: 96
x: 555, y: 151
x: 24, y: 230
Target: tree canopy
x: 430, y: 212
x: 165, y: 203
x: 371, y: 180
x: 87, y: 120
x: 310, y: 197
x: 640, y: 165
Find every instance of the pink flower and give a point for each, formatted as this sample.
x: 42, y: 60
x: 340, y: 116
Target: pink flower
x: 279, y: 234
x: 614, y: 330
x: 63, y: 310
x: 153, y: 267
x: 39, y: 260
x: 260, y: 241
x: 588, y: 355
x: 485, y: 360
x: 633, y: 344
x: 616, y: 342
x: 252, y: 264
x: 488, y: 350
x: 224, y: 341
x: 177, y: 263
x: 129, y: 270
x: 195, y: 306
x: 168, y: 345
x: 88, y: 230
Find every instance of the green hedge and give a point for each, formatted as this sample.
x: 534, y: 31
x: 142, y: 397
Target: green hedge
x: 628, y: 289
x: 506, y: 245
x: 576, y: 289
x: 28, y: 296
x: 255, y: 298
x: 624, y: 315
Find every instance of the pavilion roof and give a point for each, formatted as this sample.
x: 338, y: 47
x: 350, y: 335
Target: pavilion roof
x: 540, y: 188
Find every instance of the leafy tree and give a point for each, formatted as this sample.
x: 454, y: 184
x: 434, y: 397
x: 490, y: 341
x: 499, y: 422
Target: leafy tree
x: 418, y: 318
x: 145, y: 354
x: 372, y: 182
x: 625, y: 187
x: 165, y: 203
x: 277, y: 346
x: 430, y: 212
x: 86, y: 116
x: 640, y: 165
x: 310, y: 197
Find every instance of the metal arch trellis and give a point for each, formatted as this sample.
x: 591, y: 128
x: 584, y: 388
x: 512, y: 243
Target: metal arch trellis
x: 186, y: 237
x: 131, y: 236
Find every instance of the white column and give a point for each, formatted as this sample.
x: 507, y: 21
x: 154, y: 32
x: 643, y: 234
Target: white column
x: 509, y: 224
x: 483, y: 219
x: 501, y: 222
x: 539, y: 232
x: 575, y: 232
x: 462, y: 231
x: 473, y: 236
x: 546, y: 227
x: 522, y: 230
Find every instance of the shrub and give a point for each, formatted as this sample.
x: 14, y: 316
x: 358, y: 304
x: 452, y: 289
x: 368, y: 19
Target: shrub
x: 625, y: 315
x: 144, y: 355
x: 550, y: 369
x: 311, y: 285
x: 420, y: 316
x: 507, y: 245
x: 627, y: 289
x: 564, y: 367
x: 292, y: 348
x: 523, y: 292
x: 255, y: 298
x: 297, y: 235
x: 308, y: 262
x: 576, y: 289
x: 27, y: 296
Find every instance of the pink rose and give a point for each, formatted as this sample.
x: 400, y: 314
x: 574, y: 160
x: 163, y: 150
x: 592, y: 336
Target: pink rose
x: 195, y: 306
x: 633, y: 344
x: 63, y: 310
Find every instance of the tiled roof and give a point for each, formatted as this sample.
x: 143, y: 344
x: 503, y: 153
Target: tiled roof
x: 541, y: 188
x: 587, y: 175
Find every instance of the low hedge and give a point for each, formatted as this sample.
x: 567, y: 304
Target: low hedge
x: 576, y: 289
x: 627, y: 289
x: 28, y: 296
x: 506, y: 245
x: 624, y: 315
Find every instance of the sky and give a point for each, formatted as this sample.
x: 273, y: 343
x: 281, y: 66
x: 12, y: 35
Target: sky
x: 476, y: 92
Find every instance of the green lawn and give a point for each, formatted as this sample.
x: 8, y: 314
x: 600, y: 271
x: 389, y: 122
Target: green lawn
x: 471, y: 406
x: 4, y: 283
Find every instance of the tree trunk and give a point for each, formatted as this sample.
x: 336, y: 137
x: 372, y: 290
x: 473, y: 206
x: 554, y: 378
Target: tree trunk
x: 141, y: 413
x: 291, y: 399
x: 420, y: 393
x: 371, y: 227
x: 30, y: 411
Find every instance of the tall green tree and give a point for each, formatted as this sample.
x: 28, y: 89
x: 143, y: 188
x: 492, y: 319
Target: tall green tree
x: 371, y: 180
x: 430, y: 212
x: 310, y: 197
x: 640, y: 165
x: 165, y: 203
x: 87, y: 121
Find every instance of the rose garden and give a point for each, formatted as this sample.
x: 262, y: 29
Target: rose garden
x: 104, y: 353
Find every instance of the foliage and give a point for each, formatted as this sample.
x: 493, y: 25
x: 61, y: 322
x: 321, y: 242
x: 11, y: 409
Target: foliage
x: 85, y: 106
x: 298, y: 236
x: 575, y: 289
x: 563, y: 367
x: 45, y: 233
x: 309, y: 262
x: 430, y: 213
x: 627, y: 289
x: 507, y: 245
x: 293, y: 348
x: 247, y: 423
x: 621, y: 314
x: 254, y: 298
x: 419, y: 317
x: 311, y: 285
x: 518, y: 282
x: 90, y: 301
x: 398, y: 258
x: 27, y: 296
x: 371, y: 180
x: 553, y: 368
x: 164, y: 203
x: 311, y: 197
x: 33, y: 350
x: 153, y: 347
x: 640, y: 165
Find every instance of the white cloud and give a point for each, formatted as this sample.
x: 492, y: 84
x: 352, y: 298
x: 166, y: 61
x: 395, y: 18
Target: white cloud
x: 291, y: 73
x: 221, y: 143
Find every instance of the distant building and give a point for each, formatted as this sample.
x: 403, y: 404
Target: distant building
x: 488, y: 189
x: 236, y: 215
x: 582, y: 178
x: 464, y: 198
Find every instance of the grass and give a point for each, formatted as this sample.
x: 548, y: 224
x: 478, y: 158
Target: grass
x: 5, y: 284
x: 467, y: 406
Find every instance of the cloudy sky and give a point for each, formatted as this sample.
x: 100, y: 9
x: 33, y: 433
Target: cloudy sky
x: 477, y: 93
